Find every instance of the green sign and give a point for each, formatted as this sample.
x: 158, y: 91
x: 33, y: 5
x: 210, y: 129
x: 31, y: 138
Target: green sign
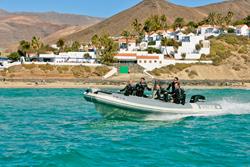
x: 124, y: 70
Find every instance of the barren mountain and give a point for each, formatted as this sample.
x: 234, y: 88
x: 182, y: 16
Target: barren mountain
x: 117, y: 23
x: 19, y: 26
x: 240, y: 8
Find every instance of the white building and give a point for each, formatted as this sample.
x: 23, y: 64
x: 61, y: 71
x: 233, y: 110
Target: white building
x: 127, y: 44
x: 3, y: 62
x: 208, y: 30
x: 189, y: 49
x: 152, y: 61
x: 69, y: 57
x: 242, y: 30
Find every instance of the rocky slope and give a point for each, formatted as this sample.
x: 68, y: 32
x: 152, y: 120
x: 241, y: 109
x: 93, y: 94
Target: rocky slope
x: 117, y: 23
x: 22, y: 26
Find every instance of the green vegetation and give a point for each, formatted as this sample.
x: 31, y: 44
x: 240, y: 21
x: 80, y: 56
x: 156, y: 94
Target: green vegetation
x: 87, y: 56
x: 183, y: 56
x: 151, y: 43
x: 218, y: 19
x: 60, y: 44
x: 46, y: 70
x: 198, y: 47
x: 171, y: 69
x: 153, y: 50
x: 243, y: 21
x: 155, y: 23
x: 14, y: 56
x: 170, y: 42
x: 224, y: 46
x: 106, y: 48
x: 178, y: 23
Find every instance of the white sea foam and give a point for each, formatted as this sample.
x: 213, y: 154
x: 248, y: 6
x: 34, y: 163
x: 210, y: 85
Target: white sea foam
x: 230, y: 107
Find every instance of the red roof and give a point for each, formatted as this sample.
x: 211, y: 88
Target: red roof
x: 240, y: 26
x: 147, y: 57
x: 125, y: 55
x: 127, y: 40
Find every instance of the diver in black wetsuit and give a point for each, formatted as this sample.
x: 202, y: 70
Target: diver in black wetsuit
x: 140, y: 87
x: 172, y: 85
x: 178, y: 94
x: 128, y: 90
x: 158, y: 92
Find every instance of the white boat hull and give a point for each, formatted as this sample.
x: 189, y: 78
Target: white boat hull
x: 130, y: 104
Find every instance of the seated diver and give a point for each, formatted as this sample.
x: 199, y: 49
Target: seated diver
x: 178, y: 95
x: 172, y: 85
x: 170, y: 90
x: 128, y: 90
x: 158, y: 92
x: 140, y: 87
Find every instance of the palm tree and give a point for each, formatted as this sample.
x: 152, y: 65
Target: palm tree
x: 163, y: 20
x: 164, y: 42
x: 75, y: 46
x: 126, y: 34
x: 212, y: 18
x: 137, y: 27
x: 219, y: 19
x: 36, y: 44
x: 24, y: 47
x: 178, y: 23
x: 60, y: 43
x: 229, y: 17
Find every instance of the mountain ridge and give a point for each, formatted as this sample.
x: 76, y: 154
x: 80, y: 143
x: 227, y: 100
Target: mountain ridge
x: 146, y: 8
x: 18, y: 26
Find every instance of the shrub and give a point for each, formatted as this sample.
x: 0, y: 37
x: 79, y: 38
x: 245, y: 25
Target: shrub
x: 14, y: 56
x: 183, y: 56
x: 151, y: 43
x: 29, y: 66
x: 198, y: 47
x: 46, y: 67
x: 87, y: 56
x: 153, y: 50
x: 171, y: 69
x: 243, y: 50
x: 236, y: 68
x: 101, y: 70
x: 230, y: 30
x: 63, y: 68
x: 81, y: 71
x: 192, y: 74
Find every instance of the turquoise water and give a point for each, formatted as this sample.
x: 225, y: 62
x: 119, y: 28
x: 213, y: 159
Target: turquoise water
x: 57, y: 127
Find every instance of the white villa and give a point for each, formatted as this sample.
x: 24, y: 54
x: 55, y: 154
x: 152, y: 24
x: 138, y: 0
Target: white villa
x: 151, y: 61
x: 243, y: 30
x: 127, y: 44
x: 188, y: 47
x: 209, y: 30
x: 69, y: 57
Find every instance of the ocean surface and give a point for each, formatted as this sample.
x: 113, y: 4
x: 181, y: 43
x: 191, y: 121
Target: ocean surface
x: 57, y: 127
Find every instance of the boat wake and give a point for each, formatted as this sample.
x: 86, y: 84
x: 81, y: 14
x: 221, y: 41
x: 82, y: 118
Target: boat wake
x: 230, y: 107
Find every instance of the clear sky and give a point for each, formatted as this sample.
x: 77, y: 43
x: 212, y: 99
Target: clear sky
x: 101, y: 8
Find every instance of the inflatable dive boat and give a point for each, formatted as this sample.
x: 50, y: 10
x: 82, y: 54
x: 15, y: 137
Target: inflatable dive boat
x: 113, y: 102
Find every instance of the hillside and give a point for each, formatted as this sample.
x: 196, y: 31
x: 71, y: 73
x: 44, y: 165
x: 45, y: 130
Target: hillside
x: 22, y: 26
x: 240, y: 8
x: 231, y: 56
x: 117, y: 23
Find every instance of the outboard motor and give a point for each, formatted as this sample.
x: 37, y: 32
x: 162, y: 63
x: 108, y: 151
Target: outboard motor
x: 197, y: 98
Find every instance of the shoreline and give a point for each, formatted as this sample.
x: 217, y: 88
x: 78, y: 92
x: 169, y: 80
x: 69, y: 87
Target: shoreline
x: 108, y: 85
